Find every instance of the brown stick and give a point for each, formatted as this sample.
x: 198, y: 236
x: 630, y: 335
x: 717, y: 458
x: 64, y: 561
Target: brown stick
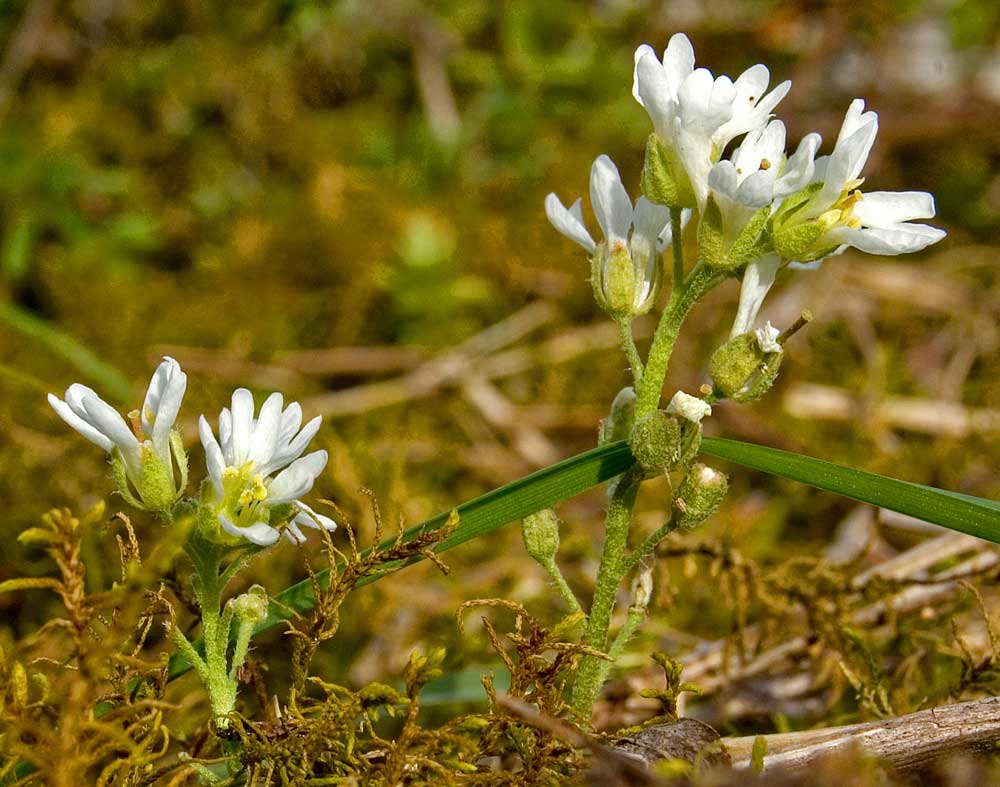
x: 908, y: 743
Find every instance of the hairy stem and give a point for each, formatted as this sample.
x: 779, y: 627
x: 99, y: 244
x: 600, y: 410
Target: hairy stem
x: 645, y: 549
x: 590, y: 673
x: 628, y: 345
x: 563, y: 586
x: 682, y: 300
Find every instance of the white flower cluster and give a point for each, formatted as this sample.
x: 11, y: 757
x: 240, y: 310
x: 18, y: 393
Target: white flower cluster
x: 256, y: 469
x: 762, y: 208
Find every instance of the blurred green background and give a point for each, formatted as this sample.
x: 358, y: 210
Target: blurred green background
x: 321, y: 198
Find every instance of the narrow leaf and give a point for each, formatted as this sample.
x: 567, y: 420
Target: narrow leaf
x: 964, y: 513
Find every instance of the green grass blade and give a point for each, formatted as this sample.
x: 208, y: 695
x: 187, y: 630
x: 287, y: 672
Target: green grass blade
x: 964, y: 513
x: 113, y: 384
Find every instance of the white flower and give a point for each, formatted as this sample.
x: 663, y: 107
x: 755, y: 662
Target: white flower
x: 757, y: 281
x: 690, y: 407
x: 151, y: 438
x: 696, y: 114
x: 758, y: 175
x: 636, y: 233
x: 257, y: 464
x: 841, y: 216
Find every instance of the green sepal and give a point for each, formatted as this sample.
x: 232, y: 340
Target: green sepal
x: 180, y: 457
x: 742, y: 371
x: 753, y: 242
x: 711, y: 248
x: 655, y: 442
x: 798, y: 242
x: 664, y: 179
x: 541, y: 536
x: 699, y: 496
x: 619, y: 282
x: 121, y: 480
x: 156, y: 484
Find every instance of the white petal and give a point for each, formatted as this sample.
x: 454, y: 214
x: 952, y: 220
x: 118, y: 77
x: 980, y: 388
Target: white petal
x: 887, y: 208
x: 723, y: 180
x: 310, y: 518
x: 242, y: 414
x: 567, y: 222
x: 94, y: 435
x: 767, y: 338
x: 226, y: 434
x: 164, y: 404
x: 293, y: 534
x: 291, y: 419
x: 757, y: 190
x: 650, y: 220
x: 846, y: 162
x: 109, y: 421
x: 800, y: 167
x: 667, y: 236
x: 216, y: 466
x: 75, y: 395
x: 678, y: 61
x: 297, y: 479
x: 259, y: 533
x: 264, y: 440
x: 610, y: 200
x: 294, y: 449
x: 757, y: 280
x: 652, y: 88
x: 690, y: 407
x: 902, y: 239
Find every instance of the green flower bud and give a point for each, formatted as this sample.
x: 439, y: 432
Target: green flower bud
x: 541, y: 536
x: 700, y: 494
x: 664, y: 178
x: 655, y: 442
x: 251, y: 607
x: 690, y: 442
x: 721, y: 251
x: 742, y: 370
x: 618, y: 425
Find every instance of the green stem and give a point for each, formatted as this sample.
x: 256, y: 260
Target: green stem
x: 682, y: 300
x: 635, y: 617
x: 628, y: 345
x: 645, y: 549
x: 590, y: 673
x: 563, y: 586
x: 677, y: 247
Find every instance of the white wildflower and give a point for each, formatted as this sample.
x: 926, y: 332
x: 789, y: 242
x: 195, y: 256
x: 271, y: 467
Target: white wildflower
x: 257, y: 466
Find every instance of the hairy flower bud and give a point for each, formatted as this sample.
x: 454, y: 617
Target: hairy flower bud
x: 700, y: 494
x: 744, y: 368
x: 541, y: 536
x: 655, y: 442
x: 250, y: 608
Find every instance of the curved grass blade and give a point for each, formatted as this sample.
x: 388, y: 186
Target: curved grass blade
x: 112, y: 382
x: 964, y: 513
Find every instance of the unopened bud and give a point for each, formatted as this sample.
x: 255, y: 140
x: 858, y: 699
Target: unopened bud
x: 745, y: 367
x: 700, y: 494
x: 642, y: 588
x: 618, y: 424
x: 541, y: 536
x: 251, y: 607
x: 655, y: 442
